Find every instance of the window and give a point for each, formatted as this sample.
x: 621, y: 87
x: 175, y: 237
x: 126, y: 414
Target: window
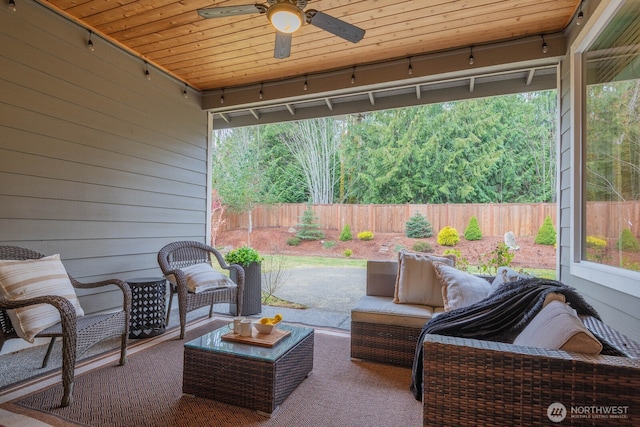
x: 607, y: 76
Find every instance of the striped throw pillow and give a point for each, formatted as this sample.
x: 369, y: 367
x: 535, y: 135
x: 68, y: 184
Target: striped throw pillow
x: 33, y: 278
x: 201, y: 277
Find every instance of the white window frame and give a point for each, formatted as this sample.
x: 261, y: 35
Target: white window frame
x: 620, y: 279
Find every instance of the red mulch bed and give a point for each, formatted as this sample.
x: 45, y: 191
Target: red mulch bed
x: 383, y: 246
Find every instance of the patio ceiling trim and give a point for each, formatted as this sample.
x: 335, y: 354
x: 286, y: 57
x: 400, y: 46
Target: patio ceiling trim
x: 503, y: 68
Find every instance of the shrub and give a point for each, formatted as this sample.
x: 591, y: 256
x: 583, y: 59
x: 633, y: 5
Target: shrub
x: 329, y: 244
x: 418, y: 227
x: 547, y: 233
x: 501, y: 256
x: 448, y: 236
x: 347, y: 253
x: 244, y: 256
x: 461, y: 262
x: 472, y: 232
x: 365, y: 235
x: 294, y: 241
x: 628, y: 242
x: 345, y: 234
x: 596, y: 248
x: 422, y: 247
x: 308, y: 229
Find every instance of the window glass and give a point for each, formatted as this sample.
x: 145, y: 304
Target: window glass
x: 611, y: 197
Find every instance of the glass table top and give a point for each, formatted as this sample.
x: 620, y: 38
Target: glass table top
x: 213, y: 342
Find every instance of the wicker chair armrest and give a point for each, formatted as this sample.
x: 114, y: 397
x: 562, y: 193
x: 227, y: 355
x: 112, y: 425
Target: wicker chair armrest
x: 474, y: 382
x: 122, y: 285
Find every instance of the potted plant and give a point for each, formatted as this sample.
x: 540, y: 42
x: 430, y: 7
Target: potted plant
x: 250, y: 261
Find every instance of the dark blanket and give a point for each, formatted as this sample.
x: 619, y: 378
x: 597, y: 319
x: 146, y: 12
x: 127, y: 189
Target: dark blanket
x: 499, y: 317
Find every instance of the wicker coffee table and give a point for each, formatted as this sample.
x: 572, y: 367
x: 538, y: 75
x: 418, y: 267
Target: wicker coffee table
x: 250, y: 376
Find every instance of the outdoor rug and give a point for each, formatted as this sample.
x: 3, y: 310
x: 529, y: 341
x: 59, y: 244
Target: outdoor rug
x: 148, y: 391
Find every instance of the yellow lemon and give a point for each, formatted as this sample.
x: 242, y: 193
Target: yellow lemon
x: 265, y: 321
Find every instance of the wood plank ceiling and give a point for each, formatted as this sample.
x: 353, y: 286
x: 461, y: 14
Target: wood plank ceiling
x: 210, y: 54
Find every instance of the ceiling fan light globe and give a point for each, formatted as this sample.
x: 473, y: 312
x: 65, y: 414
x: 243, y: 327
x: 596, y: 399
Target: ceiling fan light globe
x: 285, y: 17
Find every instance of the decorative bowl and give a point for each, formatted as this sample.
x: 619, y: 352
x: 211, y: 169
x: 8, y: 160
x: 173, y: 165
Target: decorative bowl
x: 265, y: 329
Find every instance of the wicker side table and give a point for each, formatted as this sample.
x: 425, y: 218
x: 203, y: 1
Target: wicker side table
x: 148, y: 299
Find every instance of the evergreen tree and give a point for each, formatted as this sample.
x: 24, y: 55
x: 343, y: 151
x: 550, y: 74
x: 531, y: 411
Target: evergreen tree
x: 547, y: 233
x: 345, y: 234
x: 472, y: 232
x: 418, y: 227
x: 308, y: 228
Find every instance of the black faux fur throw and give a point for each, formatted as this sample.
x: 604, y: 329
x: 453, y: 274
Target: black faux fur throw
x: 499, y: 317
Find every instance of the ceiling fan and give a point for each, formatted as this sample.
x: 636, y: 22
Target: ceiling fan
x: 287, y: 16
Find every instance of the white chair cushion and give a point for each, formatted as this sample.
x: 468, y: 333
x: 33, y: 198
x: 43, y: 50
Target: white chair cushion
x: 202, y: 277
x: 34, y: 278
x: 382, y: 310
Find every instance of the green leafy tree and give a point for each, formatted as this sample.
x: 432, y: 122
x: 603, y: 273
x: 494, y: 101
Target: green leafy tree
x: 236, y: 172
x: 547, y: 233
x: 473, y: 232
x: 418, y: 227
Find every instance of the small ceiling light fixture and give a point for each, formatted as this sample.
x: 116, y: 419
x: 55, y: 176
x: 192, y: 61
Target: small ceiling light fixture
x: 147, y: 74
x: 222, y: 97
x: 12, y: 5
x: 305, y: 87
x: 184, y: 92
x: 286, y: 17
x: 410, y: 70
x: 90, y: 42
x: 261, y: 95
x: 472, y: 60
x: 580, y: 15
x: 545, y: 47
x: 353, y: 76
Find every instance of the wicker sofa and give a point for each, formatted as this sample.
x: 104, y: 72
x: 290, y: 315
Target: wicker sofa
x: 471, y: 382
x: 382, y: 331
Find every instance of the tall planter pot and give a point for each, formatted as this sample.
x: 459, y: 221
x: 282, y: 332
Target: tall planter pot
x: 252, y: 297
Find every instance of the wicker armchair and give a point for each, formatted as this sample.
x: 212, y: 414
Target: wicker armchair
x: 177, y: 255
x: 78, y: 333
x: 471, y: 382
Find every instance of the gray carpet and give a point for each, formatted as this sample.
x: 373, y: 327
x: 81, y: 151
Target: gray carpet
x: 148, y: 391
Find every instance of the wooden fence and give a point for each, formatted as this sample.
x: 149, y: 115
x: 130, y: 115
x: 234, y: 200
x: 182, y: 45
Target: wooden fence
x: 494, y: 219
x: 604, y: 219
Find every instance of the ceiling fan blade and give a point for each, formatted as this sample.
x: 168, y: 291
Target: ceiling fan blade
x: 283, y: 45
x: 335, y: 26
x: 224, y: 11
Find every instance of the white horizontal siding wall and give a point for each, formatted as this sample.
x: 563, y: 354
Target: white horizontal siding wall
x: 96, y: 163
